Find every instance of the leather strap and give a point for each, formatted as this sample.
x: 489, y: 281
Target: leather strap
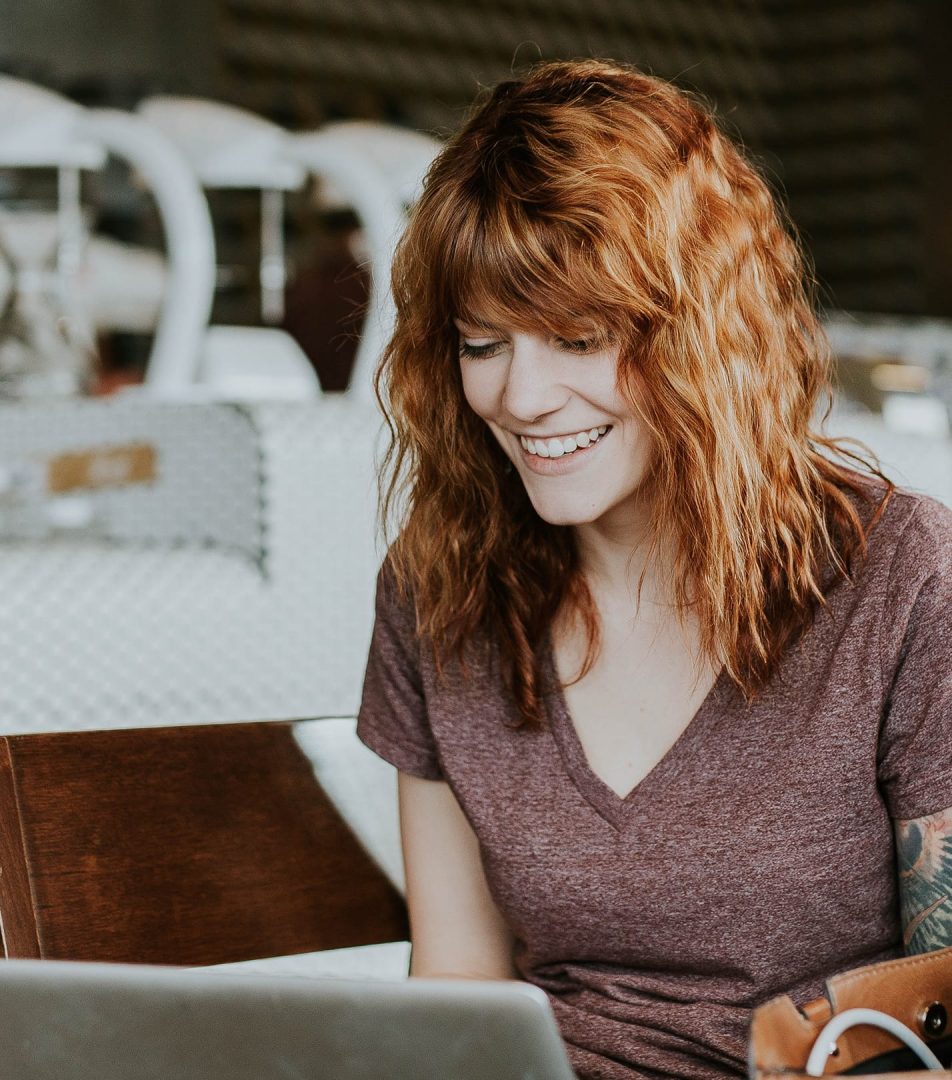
x: 782, y: 1035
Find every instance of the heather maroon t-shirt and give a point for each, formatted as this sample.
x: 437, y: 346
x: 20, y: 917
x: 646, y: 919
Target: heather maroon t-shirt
x: 755, y: 859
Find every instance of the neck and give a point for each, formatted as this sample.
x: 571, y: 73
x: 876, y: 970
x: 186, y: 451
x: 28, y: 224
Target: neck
x: 614, y: 554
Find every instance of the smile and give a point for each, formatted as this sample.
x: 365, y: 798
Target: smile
x: 562, y: 445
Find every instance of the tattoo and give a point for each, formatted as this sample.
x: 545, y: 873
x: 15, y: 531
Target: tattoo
x: 924, y: 853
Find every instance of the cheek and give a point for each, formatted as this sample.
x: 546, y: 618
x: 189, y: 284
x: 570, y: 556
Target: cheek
x: 481, y: 387
x: 632, y: 396
x: 501, y: 439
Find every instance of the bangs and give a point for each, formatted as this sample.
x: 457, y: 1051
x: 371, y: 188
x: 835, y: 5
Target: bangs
x: 511, y: 269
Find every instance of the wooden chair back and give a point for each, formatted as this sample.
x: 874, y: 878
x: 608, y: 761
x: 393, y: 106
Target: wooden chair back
x: 182, y: 845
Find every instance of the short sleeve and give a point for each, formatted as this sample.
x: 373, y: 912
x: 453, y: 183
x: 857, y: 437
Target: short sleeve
x: 915, y: 746
x: 393, y: 718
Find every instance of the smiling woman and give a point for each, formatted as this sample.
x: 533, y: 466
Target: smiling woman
x: 552, y: 407
x: 651, y: 652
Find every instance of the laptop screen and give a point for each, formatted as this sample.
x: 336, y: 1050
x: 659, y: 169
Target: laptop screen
x: 84, y: 1021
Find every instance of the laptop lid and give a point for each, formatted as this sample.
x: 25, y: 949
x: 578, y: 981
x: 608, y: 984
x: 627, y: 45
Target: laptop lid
x: 84, y: 1021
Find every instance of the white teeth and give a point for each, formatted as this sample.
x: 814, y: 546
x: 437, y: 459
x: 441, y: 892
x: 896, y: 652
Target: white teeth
x: 568, y: 444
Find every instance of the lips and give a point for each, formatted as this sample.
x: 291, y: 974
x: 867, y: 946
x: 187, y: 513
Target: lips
x: 560, y: 445
x: 559, y: 463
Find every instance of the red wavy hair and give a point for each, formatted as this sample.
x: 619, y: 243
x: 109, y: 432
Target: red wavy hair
x: 583, y: 194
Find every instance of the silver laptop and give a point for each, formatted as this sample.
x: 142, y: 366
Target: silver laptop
x: 81, y: 1021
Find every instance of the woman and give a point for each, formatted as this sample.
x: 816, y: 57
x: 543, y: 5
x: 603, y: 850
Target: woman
x: 658, y: 669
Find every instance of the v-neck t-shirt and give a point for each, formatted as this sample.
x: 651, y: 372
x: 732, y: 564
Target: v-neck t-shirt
x: 756, y: 858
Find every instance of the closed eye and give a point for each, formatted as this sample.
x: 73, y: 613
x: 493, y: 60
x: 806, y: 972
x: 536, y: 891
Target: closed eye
x: 580, y: 345
x: 469, y: 351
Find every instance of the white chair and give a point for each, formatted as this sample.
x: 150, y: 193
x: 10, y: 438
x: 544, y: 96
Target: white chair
x: 378, y: 170
x: 375, y: 169
x: 41, y: 129
x: 227, y: 147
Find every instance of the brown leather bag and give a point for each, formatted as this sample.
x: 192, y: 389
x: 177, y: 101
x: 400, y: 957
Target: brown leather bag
x: 915, y: 990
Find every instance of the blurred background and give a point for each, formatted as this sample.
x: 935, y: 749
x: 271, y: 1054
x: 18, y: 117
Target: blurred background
x: 198, y: 203
x: 846, y: 102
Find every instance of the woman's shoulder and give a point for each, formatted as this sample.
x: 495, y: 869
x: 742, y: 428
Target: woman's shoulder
x: 400, y: 619
x: 907, y: 573
x: 395, y: 599
x: 895, y: 517
x: 908, y: 547
x: 915, y: 529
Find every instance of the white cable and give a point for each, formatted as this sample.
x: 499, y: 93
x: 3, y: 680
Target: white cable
x: 826, y: 1040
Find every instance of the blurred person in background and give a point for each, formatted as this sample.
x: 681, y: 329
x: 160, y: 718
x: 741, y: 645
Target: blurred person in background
x: 662, y: 668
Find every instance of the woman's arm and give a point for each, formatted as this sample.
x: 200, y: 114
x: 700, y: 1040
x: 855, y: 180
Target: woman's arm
x: 924, y: 855
x: 455, y: 926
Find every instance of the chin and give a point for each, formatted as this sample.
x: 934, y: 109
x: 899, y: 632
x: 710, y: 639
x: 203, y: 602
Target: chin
x: 556, y: 514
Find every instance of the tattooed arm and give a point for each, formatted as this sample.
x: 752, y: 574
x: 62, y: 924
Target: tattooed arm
x: 924, y: 853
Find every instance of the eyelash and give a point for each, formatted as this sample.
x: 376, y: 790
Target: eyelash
x: 581, y: 347
x: 478, y: 352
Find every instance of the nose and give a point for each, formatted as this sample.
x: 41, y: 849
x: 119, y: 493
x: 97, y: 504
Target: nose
x: 533, y: 388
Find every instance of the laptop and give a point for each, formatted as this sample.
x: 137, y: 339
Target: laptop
x: 86, y: 1021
